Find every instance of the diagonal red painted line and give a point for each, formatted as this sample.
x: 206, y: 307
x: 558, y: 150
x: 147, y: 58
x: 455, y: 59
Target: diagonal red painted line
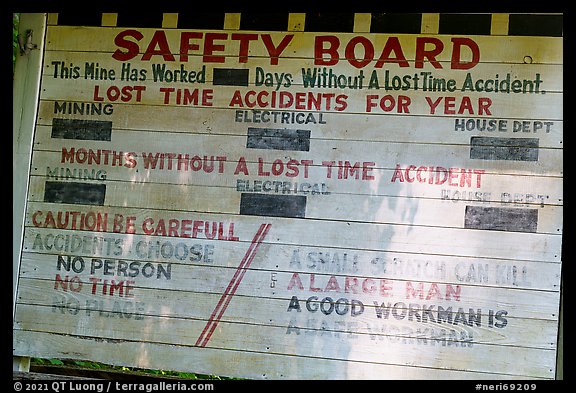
x: 232, y: 286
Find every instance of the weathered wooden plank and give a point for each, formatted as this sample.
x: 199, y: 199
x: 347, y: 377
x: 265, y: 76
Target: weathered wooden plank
x: 237, y: 338
x: 386, y: 237
x: 334, y: 100
x: 157, y: 307
x: 497, y: 188
x: 185, y: 331
x: 414, y: 129
x: 338, y: 261
x: 545, y: 219
x: 369, y: 292
x: 547, y: 50
x: 298, y: 72
x: 219, y: 362
x: 331, y: 154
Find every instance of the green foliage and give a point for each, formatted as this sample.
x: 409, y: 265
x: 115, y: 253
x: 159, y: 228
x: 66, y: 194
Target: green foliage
x: 15, y: 23
x: 134, y: 371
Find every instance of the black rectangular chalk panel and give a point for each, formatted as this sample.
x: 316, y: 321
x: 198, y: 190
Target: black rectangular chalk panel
x: 87, y: 130
x: 510, y: 149
x: 230, y: 77
x: 278, y: 139
x: 501, y: 219
x: 75, y: 193
x: 289, y: 206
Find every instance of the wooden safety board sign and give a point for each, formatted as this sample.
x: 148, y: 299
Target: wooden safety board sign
x: 296, y: 204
